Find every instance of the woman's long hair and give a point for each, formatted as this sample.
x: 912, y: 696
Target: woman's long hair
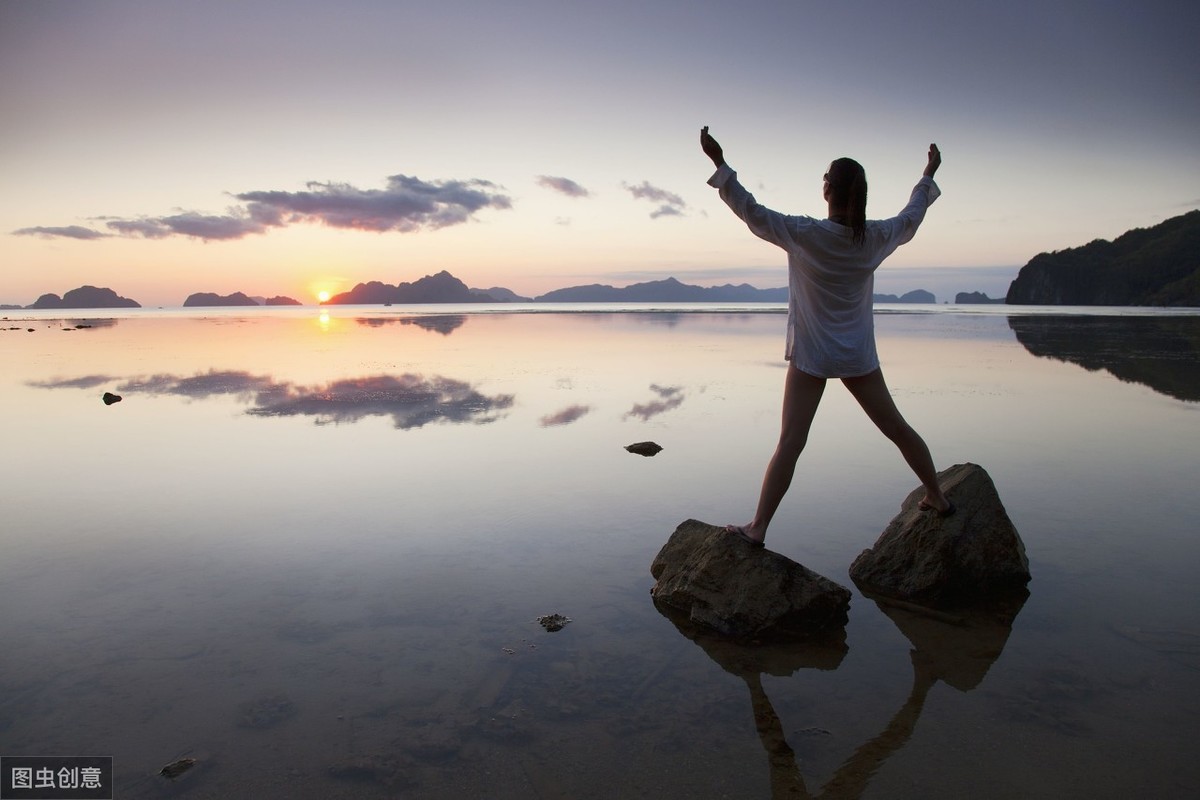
x: 848, y: 195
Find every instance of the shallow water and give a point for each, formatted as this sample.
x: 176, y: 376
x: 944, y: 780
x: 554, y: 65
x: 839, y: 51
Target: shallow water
x: 308, y: 549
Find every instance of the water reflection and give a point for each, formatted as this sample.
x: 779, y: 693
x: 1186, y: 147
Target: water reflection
x: 444, y: 324
x: 1160, y: 352
x: 957, y: 649
x: 564, y: 417
x: 669, y: 397
x: 412, y: 401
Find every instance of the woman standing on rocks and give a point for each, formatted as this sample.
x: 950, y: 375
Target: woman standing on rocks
x: 831, y: 331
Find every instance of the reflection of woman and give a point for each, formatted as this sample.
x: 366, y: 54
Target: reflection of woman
x: 831, y: 266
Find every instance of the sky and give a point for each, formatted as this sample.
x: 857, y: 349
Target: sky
x: 289, y: 148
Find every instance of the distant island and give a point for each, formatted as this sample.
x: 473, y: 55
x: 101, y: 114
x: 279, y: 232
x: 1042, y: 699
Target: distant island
x: 85, y: 297
x: 210, y: 299
x: 445, y: 288
x: 1158, y: 266
x: 440, y: 288
x: 915, y: 296
x: 967, y: 298
x: 669, y: 290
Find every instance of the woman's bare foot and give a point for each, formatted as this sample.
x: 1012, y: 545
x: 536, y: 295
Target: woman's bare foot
x: 748, y: 532
x: 940, y: 504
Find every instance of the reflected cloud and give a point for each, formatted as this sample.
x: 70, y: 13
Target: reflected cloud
x: 672, y: 397
x: 412, y: 401
x: 208, y: 384
x: 444, y: 324
x: 564, y: 417
x: 1162, y: 353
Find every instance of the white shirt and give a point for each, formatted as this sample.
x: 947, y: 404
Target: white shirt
x: 831, y: 330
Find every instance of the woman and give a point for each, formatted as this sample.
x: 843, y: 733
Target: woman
x: 831, y: 334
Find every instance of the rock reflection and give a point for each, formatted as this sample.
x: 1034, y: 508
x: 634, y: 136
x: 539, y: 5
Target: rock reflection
x: 1160, y: 352
x: 749, y: 662
x: 412, y: 401
x: 956, y: 648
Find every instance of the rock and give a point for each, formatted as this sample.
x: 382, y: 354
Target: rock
x: 553, y: 622
x: 723, y: 583
x: 644, y: 448
x: 109, y: 398
x: 972, y: 555
x: 177, y: 768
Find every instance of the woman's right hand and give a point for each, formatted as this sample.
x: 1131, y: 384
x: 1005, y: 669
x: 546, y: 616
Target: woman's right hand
x: 710, y: 147
x: 935, y: 160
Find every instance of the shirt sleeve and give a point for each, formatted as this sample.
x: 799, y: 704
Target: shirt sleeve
x: 901, y: 228
x: 776, y: 228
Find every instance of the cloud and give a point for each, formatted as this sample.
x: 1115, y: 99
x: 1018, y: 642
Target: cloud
x: 670, y: 204
x: 563, y: 185
x: 83, y: 382
x: 67, y: 232
x: 234, y: 225
x: 672, y: 397
x: 564, y: 417
x: 407, y: 204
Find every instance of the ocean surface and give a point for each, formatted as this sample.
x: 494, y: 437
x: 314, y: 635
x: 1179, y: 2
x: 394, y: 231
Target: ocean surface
x: 309, y: 546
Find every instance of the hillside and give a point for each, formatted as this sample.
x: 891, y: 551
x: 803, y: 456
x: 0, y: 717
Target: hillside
x: 1158, y: 266
x: 440, y: 288
x: 85, y: 297
x: 664, y: 291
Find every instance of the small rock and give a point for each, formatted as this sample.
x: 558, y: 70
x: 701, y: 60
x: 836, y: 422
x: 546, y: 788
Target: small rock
x: 553, y: 622
x: 644, y: 448
x: 109, y: 398
x: 177, y: 768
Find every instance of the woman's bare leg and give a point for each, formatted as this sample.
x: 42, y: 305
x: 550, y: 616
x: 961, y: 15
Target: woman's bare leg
x: 872, y: 394
x: 801, y: 396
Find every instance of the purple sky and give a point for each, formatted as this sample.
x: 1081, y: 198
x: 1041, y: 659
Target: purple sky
x: 289, y: 147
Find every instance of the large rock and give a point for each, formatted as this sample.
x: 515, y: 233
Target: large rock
x: 972, y: 555
x: 723, y: 583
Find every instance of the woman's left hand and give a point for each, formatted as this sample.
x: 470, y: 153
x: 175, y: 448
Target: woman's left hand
x: 710, y: 147
x: 935, y: 161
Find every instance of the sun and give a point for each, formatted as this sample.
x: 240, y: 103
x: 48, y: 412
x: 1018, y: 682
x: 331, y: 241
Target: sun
x: 323, y: 296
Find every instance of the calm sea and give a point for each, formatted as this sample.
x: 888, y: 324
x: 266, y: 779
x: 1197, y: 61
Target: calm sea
x: 308, y: 549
